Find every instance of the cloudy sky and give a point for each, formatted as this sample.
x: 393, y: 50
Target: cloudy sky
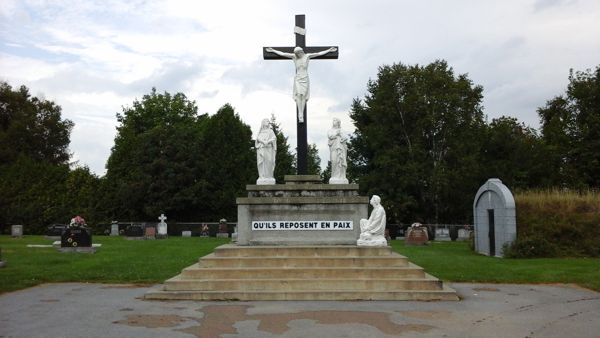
x: 94, y: 57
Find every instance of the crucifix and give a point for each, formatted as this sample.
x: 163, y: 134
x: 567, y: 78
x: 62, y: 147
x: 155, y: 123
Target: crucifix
x: 300, y: 54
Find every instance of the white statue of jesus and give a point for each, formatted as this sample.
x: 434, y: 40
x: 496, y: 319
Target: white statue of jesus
x: 372, y: 231
x: 301, y: 83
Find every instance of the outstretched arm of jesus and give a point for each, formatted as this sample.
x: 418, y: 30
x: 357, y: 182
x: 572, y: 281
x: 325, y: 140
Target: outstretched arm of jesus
x: 280, y: 53
x: 312, y: 55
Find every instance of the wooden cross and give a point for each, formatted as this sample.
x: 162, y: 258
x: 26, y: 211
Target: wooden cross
x: 300, y: 32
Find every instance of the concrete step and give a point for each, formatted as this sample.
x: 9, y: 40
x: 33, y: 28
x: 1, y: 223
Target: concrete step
x: 303, y: 273
x: 211, y: 261
x: 322, y: 284
x: 417, y: 295
x: 230, y: 250
x: 409, y: 271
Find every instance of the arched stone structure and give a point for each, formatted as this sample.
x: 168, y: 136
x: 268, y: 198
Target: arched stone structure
x: 494, y: 218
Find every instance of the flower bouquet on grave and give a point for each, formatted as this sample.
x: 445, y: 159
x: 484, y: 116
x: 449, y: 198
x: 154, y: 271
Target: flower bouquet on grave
x: 77, y: 222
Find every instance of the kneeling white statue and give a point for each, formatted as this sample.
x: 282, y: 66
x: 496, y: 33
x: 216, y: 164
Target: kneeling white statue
x: 372, y: 230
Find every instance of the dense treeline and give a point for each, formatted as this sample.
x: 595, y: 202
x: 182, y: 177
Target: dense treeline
x: 422, y: 142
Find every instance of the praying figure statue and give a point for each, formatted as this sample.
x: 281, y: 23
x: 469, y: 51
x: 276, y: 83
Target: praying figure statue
x: 301, y: 83
x: 338, y: 150
x: 266, y: 148
x: 372, y: 230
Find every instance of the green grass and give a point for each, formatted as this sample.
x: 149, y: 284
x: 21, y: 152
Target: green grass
x: 454, y: 261
x: 146, y: 262
x: 117, y: 261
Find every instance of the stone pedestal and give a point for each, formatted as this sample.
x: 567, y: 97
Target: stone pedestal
x: 303, y: 211
x: 16, y: 230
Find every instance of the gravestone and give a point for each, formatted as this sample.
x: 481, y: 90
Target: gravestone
x: 150, y: 232
x: 2, y: 263
x: 134, y: 231
x: 76, y: 237
x: 16, y: 230
x: 464, y: 234
x: 234, y: 235
x: 442, y: 234
x: 186, y: 233
x: 55, y: 231
x: 205, y: 231
x: 416, y: 234
x: 162, y: 227
x: 223, y: 232
x: 495, y: 218
x: 114, y: 228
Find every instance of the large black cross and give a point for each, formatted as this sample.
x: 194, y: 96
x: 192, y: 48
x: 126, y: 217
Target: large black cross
x: 300, y: 32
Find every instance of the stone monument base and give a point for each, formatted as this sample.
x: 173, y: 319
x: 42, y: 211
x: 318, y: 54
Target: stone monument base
x: 303, y: 211
x: 87, y: 249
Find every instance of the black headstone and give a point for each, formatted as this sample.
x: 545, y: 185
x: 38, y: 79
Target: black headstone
x: 134, y: 230
x: 56, y: 230
x: 76, y: 238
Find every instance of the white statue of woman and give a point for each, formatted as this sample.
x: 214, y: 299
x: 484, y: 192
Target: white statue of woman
x: 372, y: 231
x: 266, y: 148
x: 338, y: 150
x: 301, y: 83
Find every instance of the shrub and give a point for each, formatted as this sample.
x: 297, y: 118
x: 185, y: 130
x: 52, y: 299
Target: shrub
x: 530, y: 247
x: 557, y: 223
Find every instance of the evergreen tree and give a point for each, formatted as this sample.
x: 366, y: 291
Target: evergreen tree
x: 313, y: 165
x: 285, y: 163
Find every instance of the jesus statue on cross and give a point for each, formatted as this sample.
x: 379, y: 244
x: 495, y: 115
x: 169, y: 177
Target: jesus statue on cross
x: 301, y: 82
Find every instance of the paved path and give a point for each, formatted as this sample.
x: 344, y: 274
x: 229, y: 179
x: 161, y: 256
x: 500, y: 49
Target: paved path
x: 486, y: 310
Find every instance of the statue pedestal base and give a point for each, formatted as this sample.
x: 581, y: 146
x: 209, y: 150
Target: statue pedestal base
x: 303, y: 211
x: 265, y: 181
x: 375, y: 241
x: 335, y: 180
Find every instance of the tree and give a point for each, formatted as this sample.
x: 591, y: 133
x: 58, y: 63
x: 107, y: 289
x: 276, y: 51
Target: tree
x: 417, y: 142
x: 33, y: 193
x: 514, y: 153
x: 313, y: 165
x: 154, y: 165
x: 33, y: 127
x: 571, y: 130
x: 285, y: 162
x: 34, y: 140
x: 228, y: 163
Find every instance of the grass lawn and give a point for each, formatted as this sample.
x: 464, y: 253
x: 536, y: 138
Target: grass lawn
x: 145, y: 262
x: 117, y: 261
x: 454, y: 261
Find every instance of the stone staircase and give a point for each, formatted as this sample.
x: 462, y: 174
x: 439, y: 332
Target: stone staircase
x: 303, y: 273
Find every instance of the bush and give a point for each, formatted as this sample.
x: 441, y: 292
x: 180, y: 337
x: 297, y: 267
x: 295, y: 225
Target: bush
x: 557, y: 223
x: 530, y: 248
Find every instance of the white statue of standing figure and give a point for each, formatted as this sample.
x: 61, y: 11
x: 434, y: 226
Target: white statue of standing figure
x: 301, y: 83
x: 266, y: 148
x: 338, y: 150
x: 372, y: 230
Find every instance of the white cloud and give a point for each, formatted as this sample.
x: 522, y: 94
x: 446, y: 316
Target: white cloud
x: 94, y: 57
